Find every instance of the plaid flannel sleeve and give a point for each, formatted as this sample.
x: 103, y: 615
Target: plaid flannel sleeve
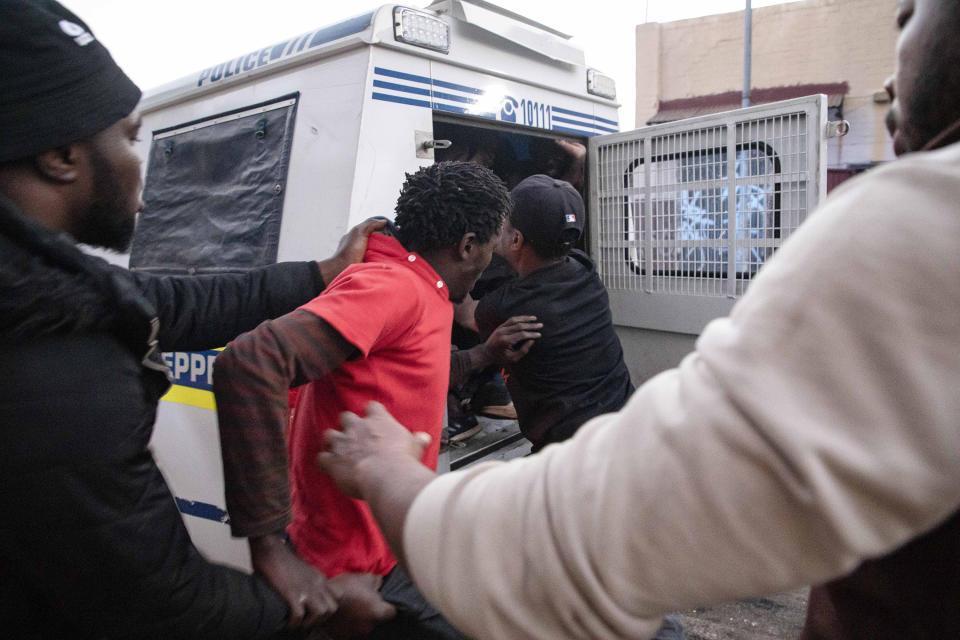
x: 251, y: 379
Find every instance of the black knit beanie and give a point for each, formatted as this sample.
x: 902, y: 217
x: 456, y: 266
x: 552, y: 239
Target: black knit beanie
x: 58, y: 84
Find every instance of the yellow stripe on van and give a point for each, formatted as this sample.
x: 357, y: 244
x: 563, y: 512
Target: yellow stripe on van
x: 193, y: 397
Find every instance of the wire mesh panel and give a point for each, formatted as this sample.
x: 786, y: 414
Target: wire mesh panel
x: 686, y: 214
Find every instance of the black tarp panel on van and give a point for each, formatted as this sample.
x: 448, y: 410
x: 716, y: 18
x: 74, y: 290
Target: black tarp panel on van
x: 214, y: 192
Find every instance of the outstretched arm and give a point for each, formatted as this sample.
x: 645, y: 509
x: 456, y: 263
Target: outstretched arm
x: 207, y: 311
x: 252, y: 377
x: 507, y: 344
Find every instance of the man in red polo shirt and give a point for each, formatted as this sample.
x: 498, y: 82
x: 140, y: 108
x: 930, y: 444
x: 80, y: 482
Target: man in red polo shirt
x: 380, y: 331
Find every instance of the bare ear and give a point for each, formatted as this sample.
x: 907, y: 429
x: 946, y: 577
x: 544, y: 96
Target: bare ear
x: 61, y: 164
x: 516, y: 240
x: 467, y: 246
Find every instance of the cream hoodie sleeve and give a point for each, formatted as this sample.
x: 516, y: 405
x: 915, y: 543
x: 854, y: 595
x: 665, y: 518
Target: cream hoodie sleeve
x: 817, y: 426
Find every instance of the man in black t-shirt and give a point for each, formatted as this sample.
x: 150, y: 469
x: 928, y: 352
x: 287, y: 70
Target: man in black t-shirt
x: 575, y: 370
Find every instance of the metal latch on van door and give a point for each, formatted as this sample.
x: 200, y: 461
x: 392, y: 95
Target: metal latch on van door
x: 425, y: 144
x: 836, y: 129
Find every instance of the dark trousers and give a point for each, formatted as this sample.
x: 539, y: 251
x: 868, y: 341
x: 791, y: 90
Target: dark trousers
x: 415, y: 619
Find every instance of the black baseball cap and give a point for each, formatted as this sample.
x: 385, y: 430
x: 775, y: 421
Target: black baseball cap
x: 547, y: 211
x: 58, y: 84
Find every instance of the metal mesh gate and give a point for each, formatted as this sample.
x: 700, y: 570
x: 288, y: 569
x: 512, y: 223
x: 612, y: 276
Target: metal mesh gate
x: 686, y: 213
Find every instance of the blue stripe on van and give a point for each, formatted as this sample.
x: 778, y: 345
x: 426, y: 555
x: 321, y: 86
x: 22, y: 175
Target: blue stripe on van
x: 389, y: 98
x: 449, y: 107
x: 571, y: 112
x: 439, y: 106
x: 341, y: 29
x: 400, y: 75
x: 203, y: 510
x: 457, y: 87
x: 401, y: 87
x: 578, y: 114
x: 584, y: 124
x: 390, y: 73
x: 450, y: 96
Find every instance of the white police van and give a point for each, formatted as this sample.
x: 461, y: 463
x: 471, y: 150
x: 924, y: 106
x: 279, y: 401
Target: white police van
x: 275, y: 154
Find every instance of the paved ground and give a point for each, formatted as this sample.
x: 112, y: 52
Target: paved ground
x: 778, y: 617
x: 498, y: 440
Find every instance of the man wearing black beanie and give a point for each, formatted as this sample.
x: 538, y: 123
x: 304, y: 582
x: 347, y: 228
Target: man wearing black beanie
x: 91, y: 542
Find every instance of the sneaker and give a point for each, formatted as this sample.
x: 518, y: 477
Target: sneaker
x: 462, y: 426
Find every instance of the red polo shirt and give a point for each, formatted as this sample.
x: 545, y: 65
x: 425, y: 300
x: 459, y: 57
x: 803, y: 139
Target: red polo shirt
x: 396, y: 310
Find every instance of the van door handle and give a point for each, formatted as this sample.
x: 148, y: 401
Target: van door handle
x: 436, y: 144
x: 424, y: 144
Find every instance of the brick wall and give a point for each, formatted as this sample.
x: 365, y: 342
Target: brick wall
x: 813, y: 41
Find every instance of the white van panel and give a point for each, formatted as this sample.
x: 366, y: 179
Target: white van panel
x: 186, y: 446
x: 386, y: 147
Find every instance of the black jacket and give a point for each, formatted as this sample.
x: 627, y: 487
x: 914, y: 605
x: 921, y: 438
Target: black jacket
x: 91, y: 542
x: 575, y: 370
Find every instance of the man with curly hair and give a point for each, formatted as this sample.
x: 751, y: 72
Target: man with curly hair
x: 380, y: 331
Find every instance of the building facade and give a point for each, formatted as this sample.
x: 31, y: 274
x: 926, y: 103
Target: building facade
x: 844, y: 48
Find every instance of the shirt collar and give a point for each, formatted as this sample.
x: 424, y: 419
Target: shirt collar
x: 383, y: 248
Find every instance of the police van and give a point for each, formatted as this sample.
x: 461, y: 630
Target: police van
x: 275, y: 154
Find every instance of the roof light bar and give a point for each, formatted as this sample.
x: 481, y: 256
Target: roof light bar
x: 601, y: 85
x: 421, y: 29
